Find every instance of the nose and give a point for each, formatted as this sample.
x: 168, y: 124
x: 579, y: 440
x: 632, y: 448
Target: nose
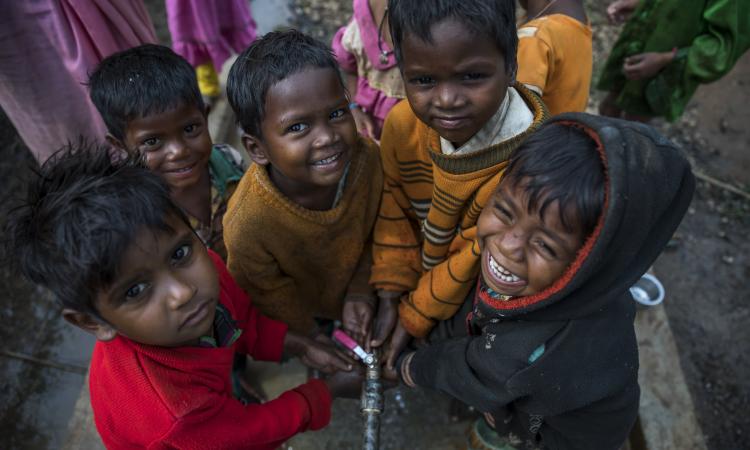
x: 325, y: 135
x: 512, y: 245
x: 179, y: 292
x: 448, y: 96
x: 177, y: 149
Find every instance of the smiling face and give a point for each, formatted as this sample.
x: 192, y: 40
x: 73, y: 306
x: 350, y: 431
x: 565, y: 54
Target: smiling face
x: 455, y: 83
x: 308, y: 133
x: 166, y: 290
x: 175, y: 143
x: 523, y: 252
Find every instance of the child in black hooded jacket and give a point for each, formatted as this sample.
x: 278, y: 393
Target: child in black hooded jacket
x: 545, y: 345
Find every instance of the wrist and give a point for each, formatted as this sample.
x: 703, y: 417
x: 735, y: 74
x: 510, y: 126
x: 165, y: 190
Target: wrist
x: 294, y: 344
x: 389, y: 295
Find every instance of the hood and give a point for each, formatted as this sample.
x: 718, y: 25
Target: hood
x: 649, y: 186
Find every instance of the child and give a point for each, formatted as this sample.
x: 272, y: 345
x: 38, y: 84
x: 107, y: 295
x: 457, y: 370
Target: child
x: 555, y: 54
x: 107, y: 240
x: 585, y: 207
x: 443, y: 152
x: 149, y: 99
x: 299, y: 225
x: 363, y: 49
x: 206, y: 34
x: 666, y: 50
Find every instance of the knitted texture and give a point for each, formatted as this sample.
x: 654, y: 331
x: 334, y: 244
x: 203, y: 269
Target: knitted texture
x: 424, y: 238
x: 156, y: 397
x: 297, y: 263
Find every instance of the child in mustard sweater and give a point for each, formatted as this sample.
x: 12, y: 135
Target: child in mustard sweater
x: 298, y: 226
x: 443, y: 153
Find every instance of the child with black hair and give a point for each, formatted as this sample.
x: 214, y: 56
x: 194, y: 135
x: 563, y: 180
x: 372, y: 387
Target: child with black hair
x: 443, y: 153
x: 585, y: 207
x: 121, y: 258
x: 149, y: 99
x: 299, y: 225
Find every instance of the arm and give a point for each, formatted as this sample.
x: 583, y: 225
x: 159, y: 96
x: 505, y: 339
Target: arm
x: 360, y: 301
x: 224, y: 422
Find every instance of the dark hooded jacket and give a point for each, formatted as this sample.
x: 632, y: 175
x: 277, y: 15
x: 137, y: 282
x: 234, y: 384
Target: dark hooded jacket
x: 560, y: 367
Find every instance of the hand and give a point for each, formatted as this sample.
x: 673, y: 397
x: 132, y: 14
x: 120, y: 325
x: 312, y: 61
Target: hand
x: 645, y: 65
x: 319, y: 353
x: 620, y: 10
x: 356, y: 318
x: 387, y: 317
x: 346, y: 384
x: 399, y: 340
x: 365, y: 124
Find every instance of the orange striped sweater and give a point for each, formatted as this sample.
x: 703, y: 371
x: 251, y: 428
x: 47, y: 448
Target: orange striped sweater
x: 424, y: 237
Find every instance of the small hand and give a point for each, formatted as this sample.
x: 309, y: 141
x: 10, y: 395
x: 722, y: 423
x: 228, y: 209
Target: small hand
x: 645, y: 65
x: 386, y: 318
x: 365, y: 124
x: 318, y: 353
x: 356, y: 318
x: 399, y: 340
x: 620, y: 10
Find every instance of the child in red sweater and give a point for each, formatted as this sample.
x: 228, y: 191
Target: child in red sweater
x: 120, y: 256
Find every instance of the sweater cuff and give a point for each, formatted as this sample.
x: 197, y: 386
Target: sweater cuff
x: 417, y: 324
x: 272, y: 333
x: 391, y: 278
x: 319, y: 401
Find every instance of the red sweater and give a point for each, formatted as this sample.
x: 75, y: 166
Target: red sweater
x: 155, y: 397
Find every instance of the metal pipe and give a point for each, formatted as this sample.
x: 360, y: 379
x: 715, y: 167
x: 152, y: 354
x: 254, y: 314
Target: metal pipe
x: 372, y: 404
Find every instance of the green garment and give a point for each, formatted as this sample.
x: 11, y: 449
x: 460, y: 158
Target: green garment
x: 710, y: 36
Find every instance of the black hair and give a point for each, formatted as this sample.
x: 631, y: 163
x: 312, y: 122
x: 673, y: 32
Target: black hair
x: 81, y: 211
x: 561, y: 163
x: 268, y: 60
x: 144, y: 80
x: 495, y: 19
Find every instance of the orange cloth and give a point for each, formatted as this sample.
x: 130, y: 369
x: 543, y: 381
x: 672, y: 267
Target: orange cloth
x: 424, y: 238
x: 555, y: 56
x: 296, y: 263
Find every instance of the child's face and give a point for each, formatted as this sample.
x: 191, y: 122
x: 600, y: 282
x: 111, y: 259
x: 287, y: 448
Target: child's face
x: 455, y: 83
x: 308, y: 132
x: 175, y: 143
x: 166, y: 290
x: 523, y: 253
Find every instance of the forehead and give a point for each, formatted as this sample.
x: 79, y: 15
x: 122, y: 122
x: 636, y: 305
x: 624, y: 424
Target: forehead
x: 544, y: 210
x: 451, y: 42
x: 304, y: 90
x: 150, y: 243
x: 169, y: 118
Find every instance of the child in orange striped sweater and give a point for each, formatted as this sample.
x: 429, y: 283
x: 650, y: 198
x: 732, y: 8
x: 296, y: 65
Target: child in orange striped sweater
x: 443, y: 153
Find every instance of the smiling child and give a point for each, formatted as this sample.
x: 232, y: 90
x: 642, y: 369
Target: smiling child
x: 149, y: 99
x: 121, y: 258
x: 443, y: 152
x: 585, y: 207
x: 298, y: 227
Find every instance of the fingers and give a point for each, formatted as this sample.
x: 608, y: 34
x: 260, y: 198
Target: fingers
x: 386, y: 320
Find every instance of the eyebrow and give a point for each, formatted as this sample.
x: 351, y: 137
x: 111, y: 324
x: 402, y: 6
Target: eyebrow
x: 294, y: 117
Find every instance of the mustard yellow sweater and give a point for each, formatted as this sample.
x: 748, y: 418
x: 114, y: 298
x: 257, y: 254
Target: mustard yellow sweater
x: 424, y: 238
x: 296, y: 263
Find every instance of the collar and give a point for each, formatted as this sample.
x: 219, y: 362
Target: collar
x: 512, y: 118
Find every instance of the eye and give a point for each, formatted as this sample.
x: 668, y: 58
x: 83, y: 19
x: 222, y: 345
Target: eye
x: 503, y: 212
x: 473, y: 76
x: 546, y: 249
x: 150, y: 143
x: 298, y: 127
x: 338, y: 113
x: 422, y: 81
x: 191, y: 129
x: 135, y: 291
x: 181, y: 253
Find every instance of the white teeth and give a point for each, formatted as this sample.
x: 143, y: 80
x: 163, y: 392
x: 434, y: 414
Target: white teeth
x: 501, y: 272
x: 327, y: 160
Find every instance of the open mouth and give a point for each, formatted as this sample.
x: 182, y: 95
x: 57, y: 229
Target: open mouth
x: 330, y: 160
x: 501, y: 272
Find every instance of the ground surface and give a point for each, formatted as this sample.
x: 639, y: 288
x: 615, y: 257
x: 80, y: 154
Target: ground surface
x: 705, y: 273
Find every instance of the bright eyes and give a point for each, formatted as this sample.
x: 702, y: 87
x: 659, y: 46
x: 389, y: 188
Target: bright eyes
x: 299, y: 127
x: 179, y: 256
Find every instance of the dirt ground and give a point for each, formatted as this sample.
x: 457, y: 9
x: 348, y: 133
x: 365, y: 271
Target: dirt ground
x: 705, y: 271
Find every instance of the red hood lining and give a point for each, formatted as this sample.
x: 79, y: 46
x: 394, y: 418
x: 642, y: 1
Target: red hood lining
x: 583, y: 252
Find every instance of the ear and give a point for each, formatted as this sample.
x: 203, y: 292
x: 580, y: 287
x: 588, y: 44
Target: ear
x: 90, y: 324
x: 255, y: 149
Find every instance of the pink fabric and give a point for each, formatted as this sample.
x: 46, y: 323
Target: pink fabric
x: 47, y: 49
x: 374, y: 101
x: 209, y: 31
